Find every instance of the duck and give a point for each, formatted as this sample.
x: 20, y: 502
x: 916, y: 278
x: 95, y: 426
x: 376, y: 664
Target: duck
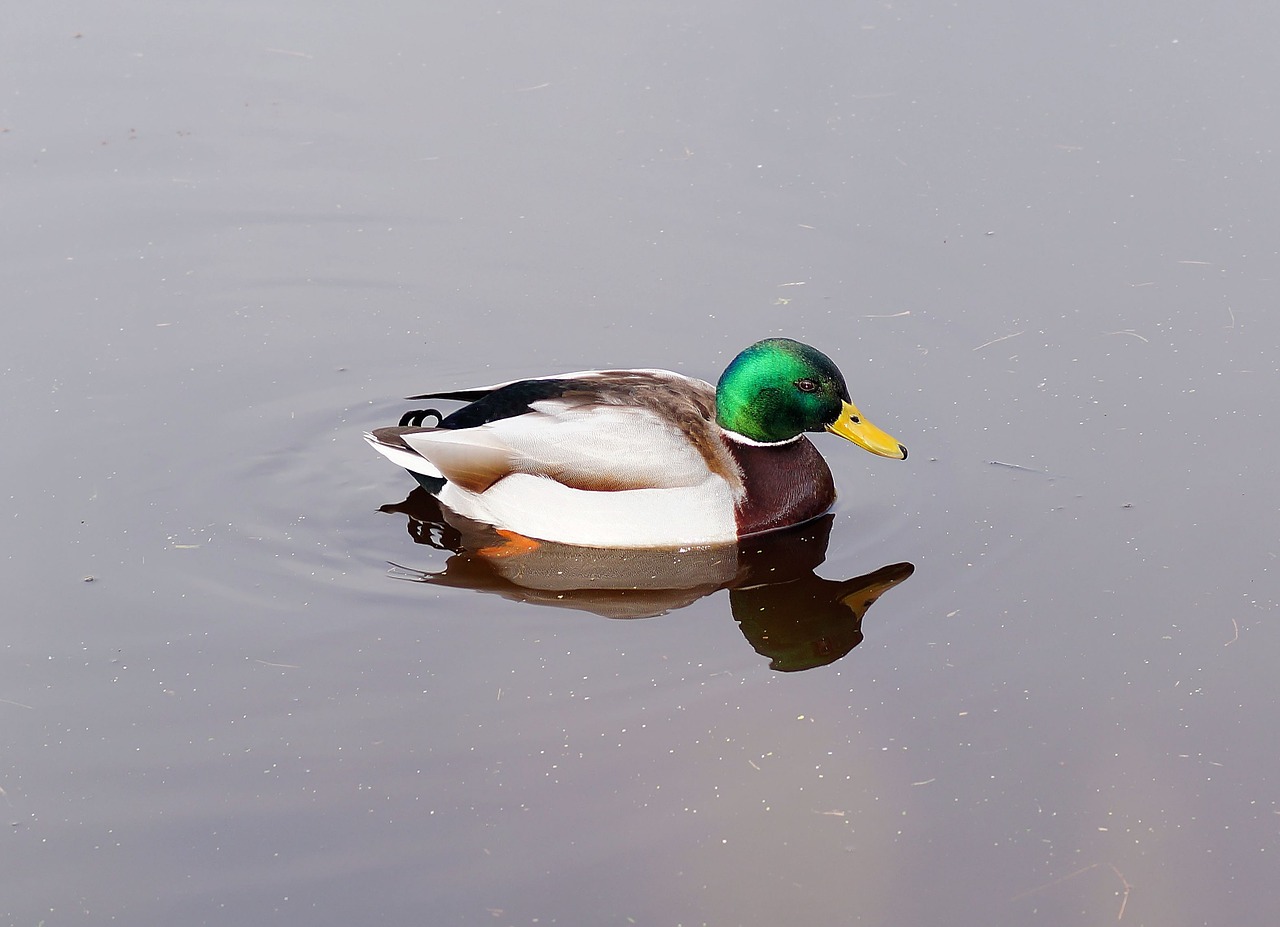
x: 640, y: 458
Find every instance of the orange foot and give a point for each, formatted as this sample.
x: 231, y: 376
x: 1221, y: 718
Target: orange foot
x: 513, y: 545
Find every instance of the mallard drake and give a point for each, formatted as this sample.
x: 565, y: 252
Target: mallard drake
x: 640, y: 458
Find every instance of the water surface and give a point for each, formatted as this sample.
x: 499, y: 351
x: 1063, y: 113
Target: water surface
x: 1040, y: 244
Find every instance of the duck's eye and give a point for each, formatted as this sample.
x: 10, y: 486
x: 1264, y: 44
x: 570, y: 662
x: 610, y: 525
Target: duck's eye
x: 806, y: 385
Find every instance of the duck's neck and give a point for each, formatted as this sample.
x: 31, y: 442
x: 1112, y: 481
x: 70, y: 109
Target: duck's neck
x: 784, y: 483
x: 735, y: 437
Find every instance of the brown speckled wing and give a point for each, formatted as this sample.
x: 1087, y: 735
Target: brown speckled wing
x: 687, y: 403
x: 601, y: 431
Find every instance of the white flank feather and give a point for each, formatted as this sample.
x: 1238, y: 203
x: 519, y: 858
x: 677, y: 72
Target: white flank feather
x: 577, y: 444
x: 541, y: 508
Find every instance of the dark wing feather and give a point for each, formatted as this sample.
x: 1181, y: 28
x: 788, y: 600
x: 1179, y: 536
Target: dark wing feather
x: 503, y: 402
x: 613, y: 387
x: 462, y: 395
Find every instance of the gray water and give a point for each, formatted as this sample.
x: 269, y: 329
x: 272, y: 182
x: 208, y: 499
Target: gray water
x: 1041, y: 244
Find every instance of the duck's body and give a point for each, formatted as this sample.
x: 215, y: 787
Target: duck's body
x: 640, y: 458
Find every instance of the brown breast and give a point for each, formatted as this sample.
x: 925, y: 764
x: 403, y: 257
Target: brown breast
x: 785, y: 484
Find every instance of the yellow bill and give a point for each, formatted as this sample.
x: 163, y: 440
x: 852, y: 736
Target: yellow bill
x: 854, y: 427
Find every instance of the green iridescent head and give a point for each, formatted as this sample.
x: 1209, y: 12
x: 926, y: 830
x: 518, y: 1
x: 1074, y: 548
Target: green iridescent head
x: 777, y: 389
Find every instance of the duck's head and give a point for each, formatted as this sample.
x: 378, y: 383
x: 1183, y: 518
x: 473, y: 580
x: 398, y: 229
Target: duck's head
x: 778, y: 388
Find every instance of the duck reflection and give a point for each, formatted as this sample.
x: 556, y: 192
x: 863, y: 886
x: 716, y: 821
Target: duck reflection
x: 788, y: 614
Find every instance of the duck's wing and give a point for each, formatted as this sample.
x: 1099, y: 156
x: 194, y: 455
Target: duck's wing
x: 594, y: 430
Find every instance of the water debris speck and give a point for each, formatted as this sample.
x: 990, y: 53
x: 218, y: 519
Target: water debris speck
x: 988, y: 344
x: 1014, y: 466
